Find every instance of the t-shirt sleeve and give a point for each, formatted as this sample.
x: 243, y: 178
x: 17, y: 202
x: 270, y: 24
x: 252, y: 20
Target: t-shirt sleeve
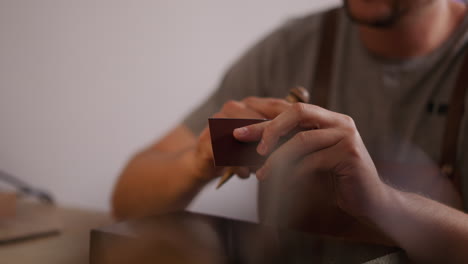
x: 246, y: 77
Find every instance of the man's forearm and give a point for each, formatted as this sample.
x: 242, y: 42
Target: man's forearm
x: 154, y: 182
x: 428, y: 231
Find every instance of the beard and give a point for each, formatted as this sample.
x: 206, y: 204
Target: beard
x: 382, y: 22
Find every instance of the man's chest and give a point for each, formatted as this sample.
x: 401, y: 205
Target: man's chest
x: 400, y: 111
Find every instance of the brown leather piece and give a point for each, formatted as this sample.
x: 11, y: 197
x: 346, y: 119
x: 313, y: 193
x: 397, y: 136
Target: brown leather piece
x: 227, y: 150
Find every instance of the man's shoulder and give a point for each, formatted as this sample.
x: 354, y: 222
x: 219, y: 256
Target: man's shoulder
x: 305, y: 23
x: 301, y: 29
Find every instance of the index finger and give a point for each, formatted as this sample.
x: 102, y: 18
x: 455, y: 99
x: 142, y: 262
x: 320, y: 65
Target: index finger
x: 305, y: 116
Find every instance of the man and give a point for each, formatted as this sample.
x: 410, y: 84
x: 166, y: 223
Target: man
x: 395, y: 60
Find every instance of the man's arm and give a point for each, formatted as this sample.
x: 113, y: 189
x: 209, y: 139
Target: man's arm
x: 162, y: 178
x: 429, y: 232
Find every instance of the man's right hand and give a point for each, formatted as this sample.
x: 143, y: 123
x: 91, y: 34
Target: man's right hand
x: 250, y: 107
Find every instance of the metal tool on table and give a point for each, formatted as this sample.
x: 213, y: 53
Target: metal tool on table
x: 295, y: 95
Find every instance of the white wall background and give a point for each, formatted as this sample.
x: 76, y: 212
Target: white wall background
x: 84, y: 84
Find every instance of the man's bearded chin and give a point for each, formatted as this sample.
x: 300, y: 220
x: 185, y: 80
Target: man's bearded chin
x: 382, y: 22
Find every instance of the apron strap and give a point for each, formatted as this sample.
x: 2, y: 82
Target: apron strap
x: 448, y: 160
x: 320, y: 86
x: 326, y: 58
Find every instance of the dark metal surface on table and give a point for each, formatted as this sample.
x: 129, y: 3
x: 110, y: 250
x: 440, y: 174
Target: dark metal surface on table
x: 196, y: 238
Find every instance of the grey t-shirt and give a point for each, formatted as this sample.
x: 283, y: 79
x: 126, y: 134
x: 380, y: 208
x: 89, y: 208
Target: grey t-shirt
x: 398, y: 106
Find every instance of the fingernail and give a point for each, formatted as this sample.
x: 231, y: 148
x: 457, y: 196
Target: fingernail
x: 240, y: 132
x: 262, y: 148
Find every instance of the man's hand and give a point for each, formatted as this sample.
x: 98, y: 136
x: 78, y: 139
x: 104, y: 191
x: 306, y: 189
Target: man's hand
x: 251, y: 107
x: 327, y: 142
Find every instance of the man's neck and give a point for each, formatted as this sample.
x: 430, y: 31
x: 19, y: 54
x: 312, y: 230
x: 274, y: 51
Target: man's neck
x: 416, y: 34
